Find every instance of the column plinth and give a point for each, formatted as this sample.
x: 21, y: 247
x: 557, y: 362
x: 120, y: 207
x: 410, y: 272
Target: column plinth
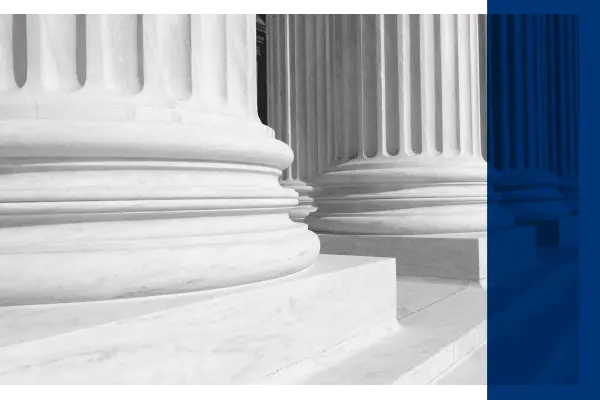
x: 110, y: 193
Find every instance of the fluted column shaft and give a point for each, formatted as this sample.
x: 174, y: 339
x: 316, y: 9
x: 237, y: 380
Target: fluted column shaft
x: 142, y: 170
x: 298, y: 97
x: 567, y: 167
x: 533, y: 135
x: 404, y: 127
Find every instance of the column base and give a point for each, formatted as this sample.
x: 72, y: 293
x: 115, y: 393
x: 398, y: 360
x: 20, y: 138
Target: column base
x: 228, y: 336
x: 402, y: 195
x: 449, y: 256
x: 98, y: 210
x: 532, y: 195
x: 305, y: 202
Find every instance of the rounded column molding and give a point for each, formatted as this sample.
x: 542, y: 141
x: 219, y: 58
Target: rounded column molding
x: 402, y: 196
x: 305, y: 201
x: 148, y: 195
x: 532, y: 194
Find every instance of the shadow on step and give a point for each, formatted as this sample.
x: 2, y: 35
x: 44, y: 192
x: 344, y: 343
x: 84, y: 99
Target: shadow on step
x: 533, y: 320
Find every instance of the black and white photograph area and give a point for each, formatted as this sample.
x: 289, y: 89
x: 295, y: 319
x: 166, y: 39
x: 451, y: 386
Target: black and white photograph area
x: 248, y: 199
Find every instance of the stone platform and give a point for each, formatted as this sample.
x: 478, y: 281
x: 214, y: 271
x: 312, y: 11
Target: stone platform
x: 533, y: 318
x: 449, y: 256
x: 227, y: 336
x: 431, y: 341
x: 346, y: 319
x: 470, y: 371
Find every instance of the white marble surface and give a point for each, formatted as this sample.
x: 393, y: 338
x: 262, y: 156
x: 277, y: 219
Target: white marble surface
x: 378, y: 164
x: 229, y: 336
x: 119, y: 185
x: 471, y: 370
x: 430, y: 342
x: 190, y: 64
x: 414, y: 294
x: 305, y: 201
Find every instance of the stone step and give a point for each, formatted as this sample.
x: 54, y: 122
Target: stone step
x: 452, y: 354
x: 562, y: 367
x: 229, y: 336
x: 527, y: 325
x: 431, y: 340
x: 471, y: 370
x: 508, y: 286
x: 439, y: 323
x: 414, y: 293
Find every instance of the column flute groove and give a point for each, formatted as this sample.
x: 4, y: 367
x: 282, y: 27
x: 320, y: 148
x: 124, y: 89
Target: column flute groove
x: 167, y: 55
x: 370, y: 98
x: 404, y: 51
x: 464, y: 77
x: 568, y: 148
x: 381, y: 87
x: 476, y: 101
x: 112, y: 53
x: 321, y: 87
x: 426, y: 24
x: 330, y: 88
x: 236, y: 63
x: 362, y: 96
x: 209, y: 60
x: 7, y: 78
x: 449, y: 84
x: 311, y: 159
x: 51, y: 49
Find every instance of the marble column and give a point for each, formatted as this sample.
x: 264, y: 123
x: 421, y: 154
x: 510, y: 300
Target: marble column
x: 298, y: 98
x: 133, y: 162
x: 530, y: 127
x: 566, y: 163
x: 407, y: 158
x: 403, y: 172
x: 400, y: 136
x: 261, y: 63
x: 533, y: 137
